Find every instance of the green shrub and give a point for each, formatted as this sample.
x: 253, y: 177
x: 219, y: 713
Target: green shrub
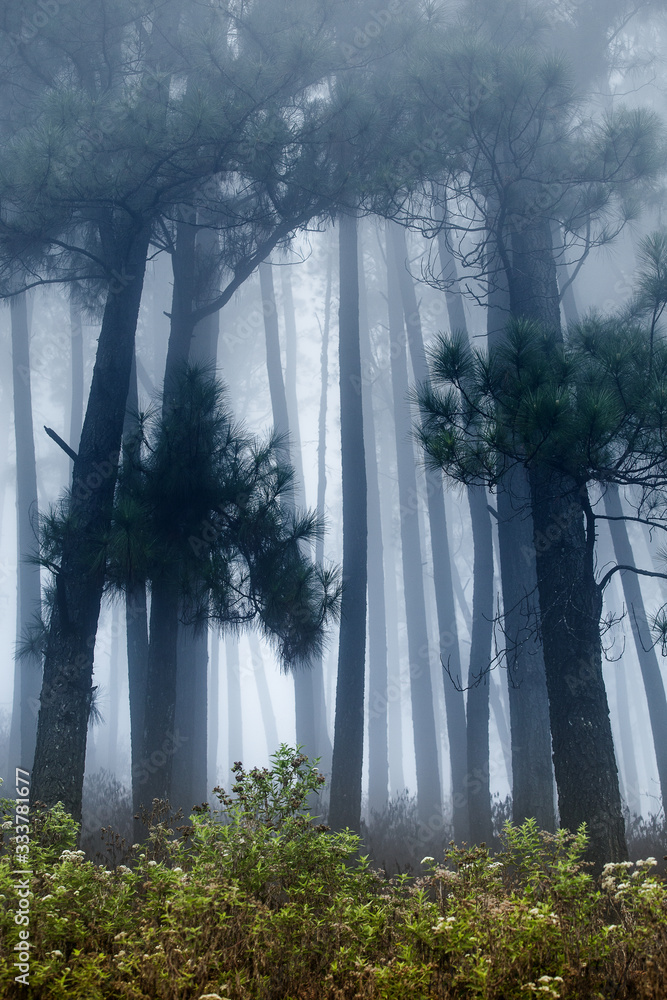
x: 257, y: 902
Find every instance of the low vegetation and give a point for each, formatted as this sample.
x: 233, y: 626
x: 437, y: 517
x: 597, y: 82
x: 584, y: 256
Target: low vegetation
x: 255, y: 900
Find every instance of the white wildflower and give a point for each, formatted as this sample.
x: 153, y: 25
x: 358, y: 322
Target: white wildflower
x: 427, y: 859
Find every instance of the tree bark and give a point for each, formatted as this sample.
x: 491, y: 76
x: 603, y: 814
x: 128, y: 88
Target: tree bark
x: 429, y: 795
x: 378, y: 761
x: 234, y: 702
x: 347, y: 763
x: 27, y: 669
x: 68, y: 668
x: 648, y: 661
x: 442, y: 573
x: 477, y: 706
x: 213, y: 728
x: 304, y: 699
x: 570, y: 598
x: 324, y: 746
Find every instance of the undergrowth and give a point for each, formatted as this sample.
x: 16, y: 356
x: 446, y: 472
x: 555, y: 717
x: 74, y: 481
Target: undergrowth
x: 255, y: 902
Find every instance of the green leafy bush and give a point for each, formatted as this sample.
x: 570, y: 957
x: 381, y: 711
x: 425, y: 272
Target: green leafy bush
x: 257, y: 902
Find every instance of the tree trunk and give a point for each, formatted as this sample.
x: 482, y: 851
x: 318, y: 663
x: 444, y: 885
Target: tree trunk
x: 213, y: 728
x: 481, y: 632
x: 570, y: 612
x: 324, y: 747
x: 27, y: 670
x: 442, y: 573
x: 570, y: 599
x: 304, y: 700
x: 264, y: 695
x: 347, y: 763
x: 477, y: 707
x: 161, y: 740
x: 136, y: 630
x: 429, y: 796
x: 189, y: 777
x: 115, y: 675
x: 234, y: 701
x: 648, y: 661
x: 394, y: 689
x: 532, y: 768
x: 68, y: 668
x: 378, y: 762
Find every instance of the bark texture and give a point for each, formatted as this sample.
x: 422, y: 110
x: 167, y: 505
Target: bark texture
x: 67, y: 685
x: 345, y: 795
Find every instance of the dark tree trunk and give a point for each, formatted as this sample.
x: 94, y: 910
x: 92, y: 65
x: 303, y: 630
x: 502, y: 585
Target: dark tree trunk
x: 345, y: 795
x: 68, y: 668
x: 648, y: 661
x: 429, y: 795
x: 378, y: 762
x: 136, y: 629
x: 532, y: 768
x: 189, y: 777
x: 76, y: 401
x: 161, y: 741
x: 442, y: 573
x: 27, y: 670
x: 570, y: 612
x: 187, y: 682
x: 477, y: 707
x: 570, y: 600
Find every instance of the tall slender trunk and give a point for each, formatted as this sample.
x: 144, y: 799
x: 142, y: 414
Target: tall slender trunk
x: 378, y: 762
x: 263, y: 693
x: 631, y: 787
x: 429, y: 796
x: 213, y: 728
x: 394, y: 689
x: 27, y: 669
x: 189, y: 775
x: 234, y: 701
x: 481, y: 632
x: 114, y: 693
x: 532, y: 768
x: 76, y: 360
x: 68, y: 667
x: 479, y: 681
x: 304, y: 699
x: 648, y: 661
x: 183, y: 776
x: 161, y: 741
x: 347, y: 763
x: 324, y: 746
x: 442, y: 574
x: 136, y: 628
x: 570, y: 599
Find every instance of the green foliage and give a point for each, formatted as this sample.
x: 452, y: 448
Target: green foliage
x: 266, y: 905
x: 593, y: 408
x: 200, y: 498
